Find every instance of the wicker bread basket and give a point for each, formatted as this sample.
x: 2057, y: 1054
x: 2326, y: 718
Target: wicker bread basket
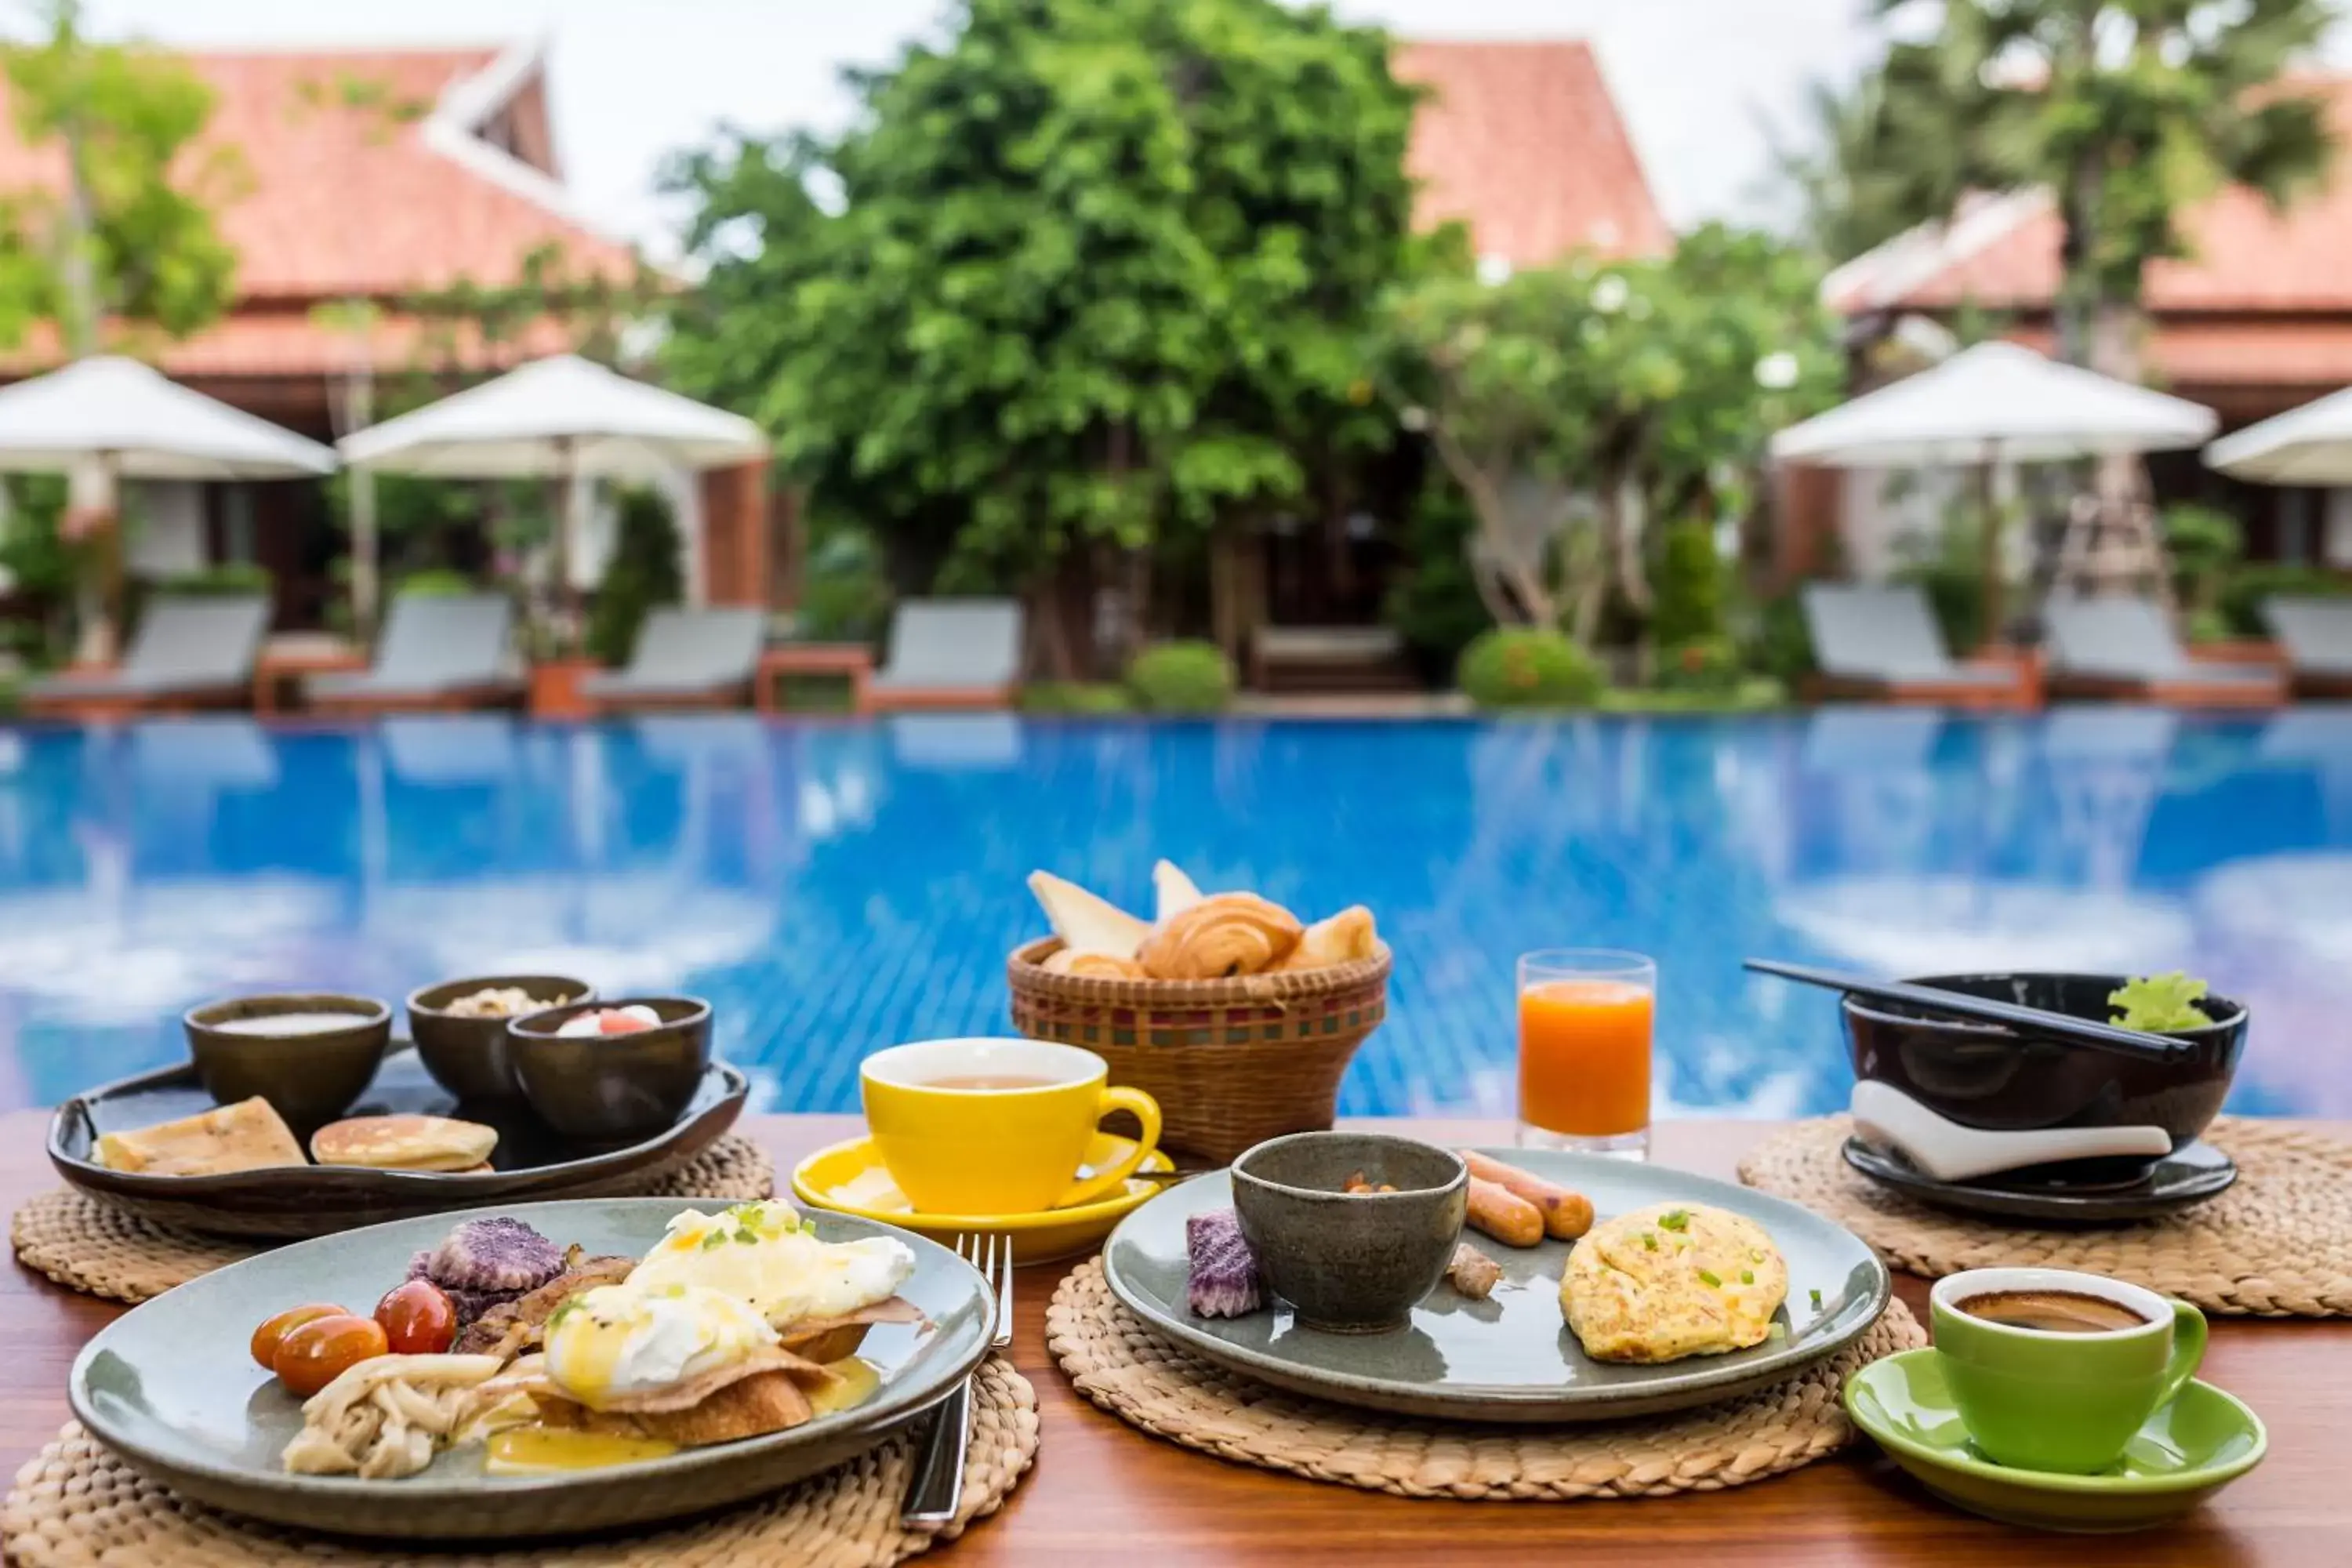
x: 1232, y: 1062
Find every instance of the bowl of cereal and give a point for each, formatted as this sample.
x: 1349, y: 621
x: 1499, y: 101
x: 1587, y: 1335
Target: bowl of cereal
x: 460, y: 1028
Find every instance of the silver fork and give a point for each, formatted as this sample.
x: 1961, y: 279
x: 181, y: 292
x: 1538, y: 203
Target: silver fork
x: 935, y: 1491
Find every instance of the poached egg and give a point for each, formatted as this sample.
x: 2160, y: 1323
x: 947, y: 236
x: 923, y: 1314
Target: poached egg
x: 617, y: 1341
x: 761, y: 1253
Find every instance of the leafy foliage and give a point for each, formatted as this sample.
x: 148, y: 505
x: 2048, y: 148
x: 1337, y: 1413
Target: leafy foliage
x: 2205, y: 545
x: 1182, y: 678
x: 2160, y: 1004
x: 2245, y: 589
x: 642, y: 574
x: 1691, y: 586
x: 1432, y: 599
x: 228, y: 578
x: 1076, y: 698
x: 1703, y: 664
x: 1523, y: 667
x: 1089, y: 271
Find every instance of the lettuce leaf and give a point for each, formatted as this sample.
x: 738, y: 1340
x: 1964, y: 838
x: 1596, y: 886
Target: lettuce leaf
x: 2159, y: 1004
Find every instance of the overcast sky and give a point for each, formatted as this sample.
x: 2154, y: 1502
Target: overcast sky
x: 635, y: 79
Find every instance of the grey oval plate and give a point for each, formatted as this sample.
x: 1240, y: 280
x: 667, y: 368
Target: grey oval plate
x: 171, y: 1388
x: 533, y: 1164
x: 1511, y: 1357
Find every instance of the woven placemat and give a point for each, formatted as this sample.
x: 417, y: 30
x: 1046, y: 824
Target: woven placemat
x: 2276, y: 1245
x: 1146, y: 1382
x: 88, y: 1244
x: 76, y: 1505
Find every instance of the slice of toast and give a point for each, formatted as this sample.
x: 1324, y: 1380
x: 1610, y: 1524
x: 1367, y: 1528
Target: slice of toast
x: 1174, y: 892
x: 753, y: 1407
x: 1082, y: 919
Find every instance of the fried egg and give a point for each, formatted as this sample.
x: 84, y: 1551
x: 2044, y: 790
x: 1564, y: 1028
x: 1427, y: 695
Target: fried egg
x: 617, y: 1341
x: 1673, y: 1281
x: 761, y: 1253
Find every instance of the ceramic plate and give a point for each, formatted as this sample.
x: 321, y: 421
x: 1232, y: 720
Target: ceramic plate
x: 2182, y: 1455
x: 532, y: 1162
x: 2091, y: 1194
x: 171, y: 1388
x: 850, y: 1179
x: 1510, y: 1358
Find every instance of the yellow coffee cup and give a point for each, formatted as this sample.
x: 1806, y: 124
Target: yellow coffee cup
x: 996, y: 1127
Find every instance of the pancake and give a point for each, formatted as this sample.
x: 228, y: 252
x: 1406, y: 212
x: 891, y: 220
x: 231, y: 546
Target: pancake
x: 246, y: 1136
x: 405, y: 1144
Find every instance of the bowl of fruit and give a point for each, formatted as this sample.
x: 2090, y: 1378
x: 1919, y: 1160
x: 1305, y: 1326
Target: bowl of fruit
x: 609, y: 1071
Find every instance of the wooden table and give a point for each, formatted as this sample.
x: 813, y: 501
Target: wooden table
x: 1104, y: 1494
x: 275, y: 666
x: 853, y: 659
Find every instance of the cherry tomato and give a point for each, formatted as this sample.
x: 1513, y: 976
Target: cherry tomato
x: 616, y: 1022
x: 418, y: 1319
x: 315, y: 1353
x: 266, y: 1338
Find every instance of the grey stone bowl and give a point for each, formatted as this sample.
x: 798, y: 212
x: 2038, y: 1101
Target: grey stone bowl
x: 1350, y: 1263
x: 308, y: 1079
x: 466, y: 1055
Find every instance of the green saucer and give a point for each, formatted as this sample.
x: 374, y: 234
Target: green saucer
x: 2183, y: 1454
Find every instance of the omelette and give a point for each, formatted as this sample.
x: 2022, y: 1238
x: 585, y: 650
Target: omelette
x: 1673, y: 1281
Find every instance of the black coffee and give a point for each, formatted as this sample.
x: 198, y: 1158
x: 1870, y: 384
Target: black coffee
x: 2053, y: 1311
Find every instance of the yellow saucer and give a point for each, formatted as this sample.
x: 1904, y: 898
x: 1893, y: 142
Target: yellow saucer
x: 849, y: 1178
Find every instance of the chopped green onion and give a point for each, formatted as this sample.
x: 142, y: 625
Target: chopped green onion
x: 1649, y: 1242
x: 715, y: 1238
x: 1705, y: 1278
x: 1747, y: 1277
x: 1817, y: 1300
x: 1675, y: 1219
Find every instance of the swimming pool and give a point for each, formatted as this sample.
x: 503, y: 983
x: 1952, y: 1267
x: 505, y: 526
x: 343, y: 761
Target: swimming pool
x: 833, y: 887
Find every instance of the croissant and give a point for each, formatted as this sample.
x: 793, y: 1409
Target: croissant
x: 1230, y: 933
x: 1344, y: 937
x: 1088, y: 961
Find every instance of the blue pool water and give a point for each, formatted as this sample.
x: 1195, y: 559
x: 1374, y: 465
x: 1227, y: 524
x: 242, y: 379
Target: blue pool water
x: 835, y: 887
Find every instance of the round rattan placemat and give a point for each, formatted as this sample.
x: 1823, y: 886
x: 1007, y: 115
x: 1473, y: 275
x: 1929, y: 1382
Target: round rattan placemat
x: 2276, y: 1245
x: 1146, y: 1382
x: 88, y: 1244
x: 74, y: 1505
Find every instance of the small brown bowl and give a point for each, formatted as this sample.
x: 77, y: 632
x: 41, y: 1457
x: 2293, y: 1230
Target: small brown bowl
x: 468, y: 1056
x: 602, y: 1088
x: 309, y: 1077
x: 1350, y: 1263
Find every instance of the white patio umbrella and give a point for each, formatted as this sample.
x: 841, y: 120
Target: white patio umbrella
x: 562, y: 418
x: 123, y: 419
x: 2307, y: 445
x: 1996, y: 403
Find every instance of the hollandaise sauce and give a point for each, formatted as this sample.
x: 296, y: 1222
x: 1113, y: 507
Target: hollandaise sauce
x: 545, y: 1451
x: 855, y: 1380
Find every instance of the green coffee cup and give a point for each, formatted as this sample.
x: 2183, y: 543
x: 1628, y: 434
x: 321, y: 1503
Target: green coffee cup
x: 2043, y: 1400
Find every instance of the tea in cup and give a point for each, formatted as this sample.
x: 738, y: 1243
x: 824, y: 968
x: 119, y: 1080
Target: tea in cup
x: 997, y: 1126
x: 2053, y: 1369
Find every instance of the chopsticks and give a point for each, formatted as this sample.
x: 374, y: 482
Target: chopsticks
x: 2090, y: 1032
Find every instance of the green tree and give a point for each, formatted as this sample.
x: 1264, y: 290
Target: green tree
x: 1575, y: 403
x: 1843, y: 192
x: 2129, y: 111
x: 1084, y: 278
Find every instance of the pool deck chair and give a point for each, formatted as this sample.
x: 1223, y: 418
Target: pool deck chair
x: 2315, y: 637
x: 190, y: 651
x: 1883, y: 643
x: 439, y: 652
x: 951, y: 653
x: 2125, y: 648
x: 685, y: 658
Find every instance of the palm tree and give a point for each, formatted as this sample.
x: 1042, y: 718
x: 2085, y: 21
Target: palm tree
x: 2129, y: 111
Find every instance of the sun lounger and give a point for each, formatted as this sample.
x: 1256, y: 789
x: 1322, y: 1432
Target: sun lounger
x: 951, y: 653
x: 2123, y: 648
x: 437, y: 651
x: 2315, y: 636
x: 190, y: 651
x: 1881, y: 642
x: 685, y: 658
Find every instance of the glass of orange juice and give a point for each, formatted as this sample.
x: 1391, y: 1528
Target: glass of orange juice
x: 1584, y: 1050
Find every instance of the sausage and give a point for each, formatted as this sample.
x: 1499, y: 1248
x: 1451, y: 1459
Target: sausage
x: 1504, y: 1215
x: 1566, y: 1214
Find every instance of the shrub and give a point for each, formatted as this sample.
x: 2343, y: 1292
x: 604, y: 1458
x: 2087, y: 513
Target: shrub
x: 435, y: 583
x: 2247, y: 587
x: 1181, y: 678
x: 234, y: 577
x: 1433, y: 600
x: 642, y: 575
x: 1779, y: 645
x: 1527, y: 667
x: 1701, y: 665
x: 844, y: 594
x: 1690, y: 584
x: 2206, y: 545
x: 1075, y: 697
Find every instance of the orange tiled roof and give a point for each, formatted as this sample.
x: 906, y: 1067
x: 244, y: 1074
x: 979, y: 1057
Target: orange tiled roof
x: 343, y: 201
x: 2247, y: 257
x: 1522, y: 141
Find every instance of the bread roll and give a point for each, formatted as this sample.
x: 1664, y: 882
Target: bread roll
x: 1086, y: 961
x: 1084, y: 920
x: 1173, y: 892
x: 1230, y: 933
x: 1344, y: 937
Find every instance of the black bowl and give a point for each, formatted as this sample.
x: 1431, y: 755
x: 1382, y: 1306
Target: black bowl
x: 607, y: 1088
x: 2010, y: 1079
x: 468, y: 1056
x: 309, y: 1078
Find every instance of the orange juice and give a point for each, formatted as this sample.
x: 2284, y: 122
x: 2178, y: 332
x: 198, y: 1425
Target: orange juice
x: 1584, y: 1056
